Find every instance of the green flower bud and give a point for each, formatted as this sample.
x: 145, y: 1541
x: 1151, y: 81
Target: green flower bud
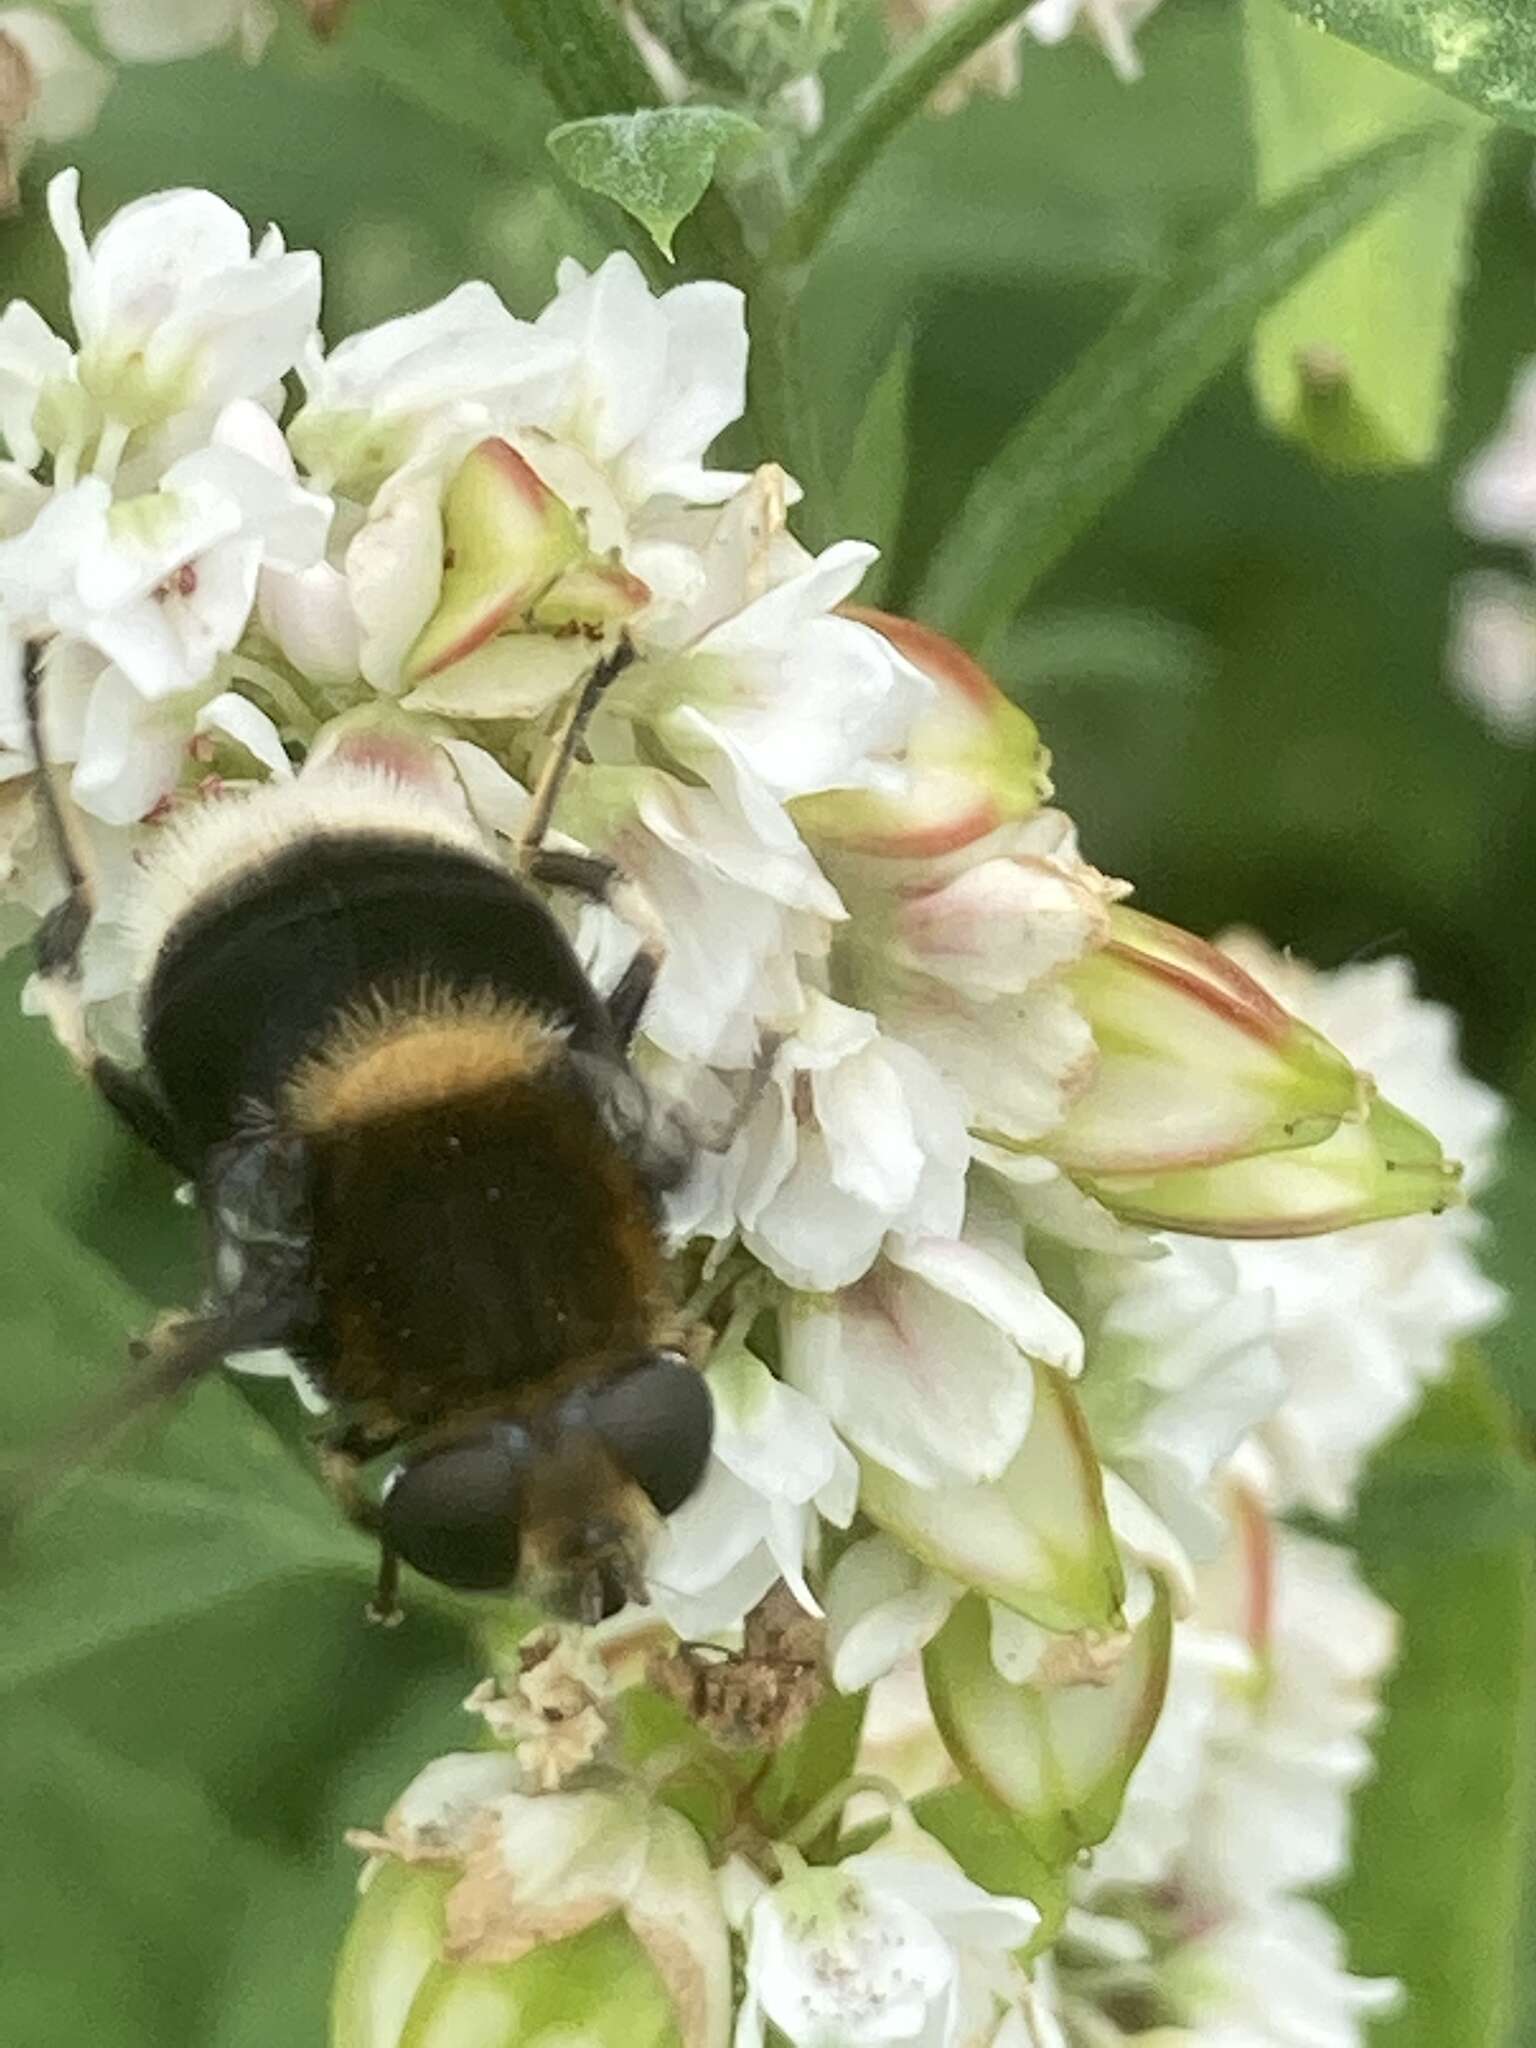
x: 740, y: 48
x: 1197, y: 1063
x: 1386, y: 1165
x: 1057, y: 1751
x: 1037, y: 1539
x: 395, y: 1989
x: 497, y: 1918
x: 974, y: 761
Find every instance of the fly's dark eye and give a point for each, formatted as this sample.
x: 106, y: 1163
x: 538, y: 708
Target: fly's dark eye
x: 657, y: 1420
x: 453, y: 1514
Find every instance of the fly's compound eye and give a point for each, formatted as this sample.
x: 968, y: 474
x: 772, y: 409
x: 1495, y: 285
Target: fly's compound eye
x: 454, y: 1514
x: 657, y: 1420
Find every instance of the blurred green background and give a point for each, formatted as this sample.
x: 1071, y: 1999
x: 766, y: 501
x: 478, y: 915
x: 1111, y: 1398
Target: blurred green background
x: 1240, y: 670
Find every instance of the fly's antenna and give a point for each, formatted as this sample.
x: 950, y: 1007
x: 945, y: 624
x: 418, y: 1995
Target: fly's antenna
x: 546, y: 791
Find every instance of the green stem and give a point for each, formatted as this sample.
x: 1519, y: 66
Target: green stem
x: 829, y: 1808
x: 898, y: 93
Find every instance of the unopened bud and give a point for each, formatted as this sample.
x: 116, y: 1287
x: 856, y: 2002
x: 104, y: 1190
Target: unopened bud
x: 973, y: 761
x: 1197, y: 1063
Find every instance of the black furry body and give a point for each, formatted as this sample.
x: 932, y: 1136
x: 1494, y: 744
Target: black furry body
x: 478, y: 1249
x: 249, y: 983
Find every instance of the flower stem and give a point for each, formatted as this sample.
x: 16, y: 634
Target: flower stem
x: 826, y: 1810
x: 896, y: 94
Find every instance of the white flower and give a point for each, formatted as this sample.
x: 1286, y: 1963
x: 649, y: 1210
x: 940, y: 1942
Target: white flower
x: 735, y: 888
x: 1274, y: 1980
x: 381, y: 396
x: 881, y: 1357
x: 895, y: 1944
x: 654, y: 381
x: 153, y: 31
x: 50, y: 88
x: 1365, y: 1318
x: 1492, y: 653
x: 1181, y: 1365
x: 174, y: 311
x: 856, y: 1136
x: 765, y: 674
x: 1109, y: 22
x: 882, y: 1607
x: 964, y: 963
x: 775, y: 1465
x: 1272, y: 1811
x: 169, y: 586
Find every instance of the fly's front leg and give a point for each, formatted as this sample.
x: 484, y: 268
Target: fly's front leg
x: 601, y: 880
x: 341, y: 1454
x: 546, y: 791
x: 59, y: 943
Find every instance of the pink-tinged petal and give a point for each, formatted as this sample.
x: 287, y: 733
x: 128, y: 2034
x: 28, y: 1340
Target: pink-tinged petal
x: 1197, y: 1063
x: 1000, y: 927
x: 1000, y: 1287
x: 1037, y: 1539
x: 973, y: 760
x: 912, y: 1377
x: 1058, y: 1755
x: 1384, y: 1165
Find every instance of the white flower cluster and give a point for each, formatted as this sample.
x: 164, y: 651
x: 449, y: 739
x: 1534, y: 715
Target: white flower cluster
x: 52, y: 87
x: 933, y: 1244
x: 1228, y: 1384
x: 995, y: 68
x: 1492, y: 653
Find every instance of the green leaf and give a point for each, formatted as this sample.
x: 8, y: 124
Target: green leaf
x: 1083, y: 443
x: 1120, y: 649
x: 874, y: 483
x: 1482, y: 51
x: 1443, y: 1829
x: 216, y: 1507
x: 1354, y: 363
x: 656, y: 163
x: 812, y: 1762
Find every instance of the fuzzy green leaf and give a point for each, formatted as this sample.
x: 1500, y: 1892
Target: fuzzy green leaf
x: 1054, y: 474
x: 1482, y: 51
x: 656, y: 163
x: 1355, y: 362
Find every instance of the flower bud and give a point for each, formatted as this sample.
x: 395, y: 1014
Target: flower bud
x: 1197, y: 1063
x: 973, y: 761
x: 1386, y: 1165
x: 1059, y: 1750
x: 506, y: 540
x: 494, y: 1913
x: 393, y: 1986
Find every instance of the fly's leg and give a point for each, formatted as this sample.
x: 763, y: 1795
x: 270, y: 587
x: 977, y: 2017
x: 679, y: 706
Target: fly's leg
x: 60, y: 939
